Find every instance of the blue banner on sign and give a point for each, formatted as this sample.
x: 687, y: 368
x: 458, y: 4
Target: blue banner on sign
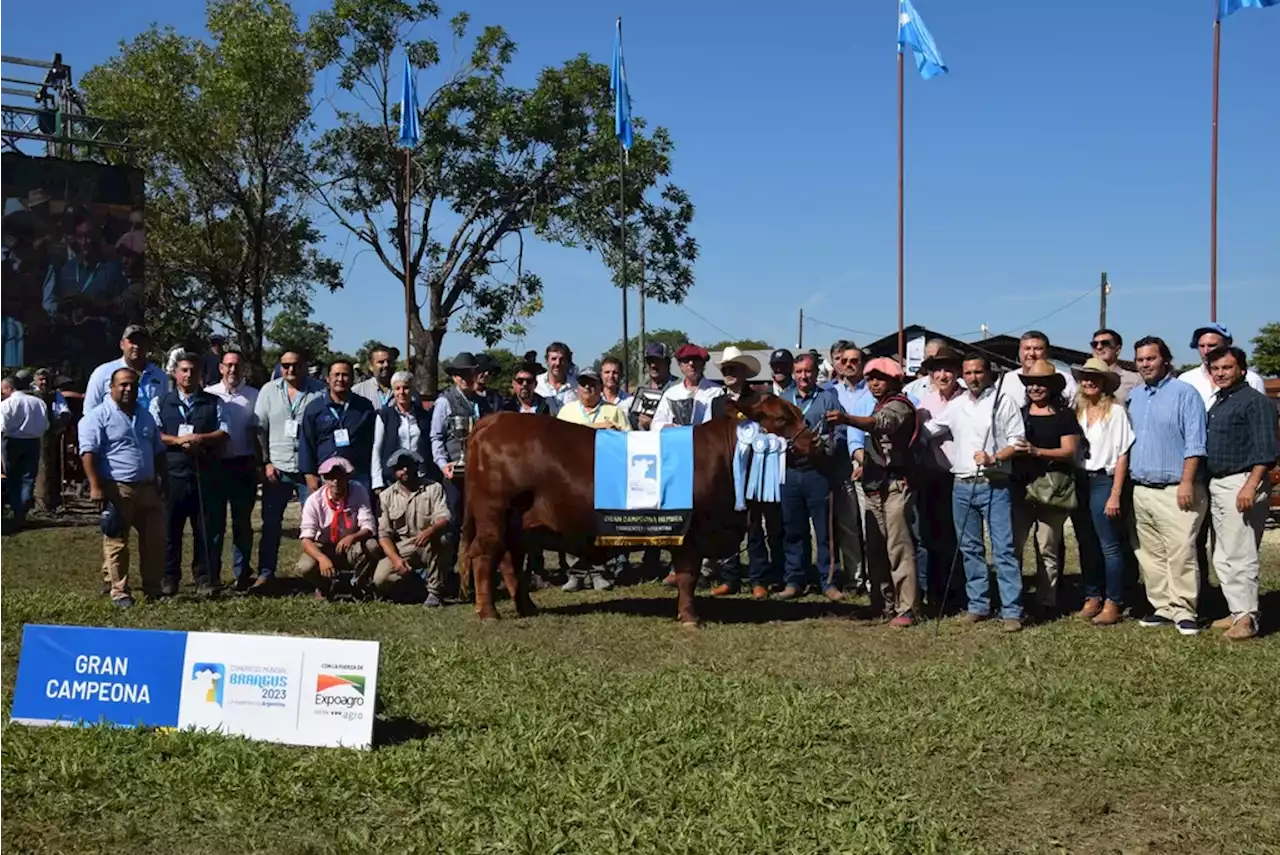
x: 87, y: 675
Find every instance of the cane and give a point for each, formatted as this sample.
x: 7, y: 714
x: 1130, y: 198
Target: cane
x: 200, y: 544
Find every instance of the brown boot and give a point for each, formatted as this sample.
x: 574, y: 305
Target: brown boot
x: 1111, y: 614
x: 723, y: 590
x: 971, y: 617
x: 1092, y: 606
x: 1224, y: 623
x: 759, y: 592
x: 1244, y: 628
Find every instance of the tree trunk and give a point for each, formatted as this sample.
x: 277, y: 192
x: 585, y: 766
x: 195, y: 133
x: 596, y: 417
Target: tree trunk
x: 427, y: 341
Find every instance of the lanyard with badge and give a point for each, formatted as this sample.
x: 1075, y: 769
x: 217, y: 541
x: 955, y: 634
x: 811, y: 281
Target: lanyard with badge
x: 184, y: 409
x: 291, y: 423
x: 595, y: 414
x: 341, y: 436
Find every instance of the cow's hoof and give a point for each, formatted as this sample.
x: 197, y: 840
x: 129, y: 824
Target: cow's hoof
x: 527, y: 610
x: 690, y: 623
x: 487, y: 614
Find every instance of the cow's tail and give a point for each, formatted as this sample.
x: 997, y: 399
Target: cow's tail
x: 466, y: 535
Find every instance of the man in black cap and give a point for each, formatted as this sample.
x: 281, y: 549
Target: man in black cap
x: 782, y: 364
x: 644, y: 403
x: 211, y: 361
x: 492, y: 397
x: 413, y: 530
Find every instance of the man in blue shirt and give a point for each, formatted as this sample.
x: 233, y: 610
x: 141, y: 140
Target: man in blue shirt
x: 1170, y: 499
x: 855, y: 400
x: 806, y: 494
x: 123, y: 459
x: 337, y: 423
x: 152, y: 382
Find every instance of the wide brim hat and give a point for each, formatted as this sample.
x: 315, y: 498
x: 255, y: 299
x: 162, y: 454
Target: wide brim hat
x: 1042, y: 369
x: 464, y: 361
x: 534, y: 368
x: 946, y: 355
x: 394, y: 458
x: 1098, y: 371
x: 734, y: 356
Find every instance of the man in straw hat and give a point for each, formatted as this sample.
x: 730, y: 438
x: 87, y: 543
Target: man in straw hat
x: 885, y: 460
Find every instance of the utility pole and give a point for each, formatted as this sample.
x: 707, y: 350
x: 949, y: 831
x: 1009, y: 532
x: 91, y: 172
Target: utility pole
x: 1104, y: 288
x: 984, y: 331
x: 800, y: 331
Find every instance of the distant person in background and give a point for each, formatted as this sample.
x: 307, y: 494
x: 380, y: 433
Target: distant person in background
x: 377, y: 389
x: 916, y: 388
x: 23, y: 421
x: 339, y: 546
x: 1105, y: 345
x: 125, y: 464
x: 782, y: 364
x: 491, y: 397
x: 135, y: 343
x: 849, y: 504
x: 1206, y: 340
x: 239, y: 467
x: 644, y: 403
x: 211, y: 360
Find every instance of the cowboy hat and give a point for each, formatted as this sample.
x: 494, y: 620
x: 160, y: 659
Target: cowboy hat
x: 1043, y: 370
x: 464, y: 361
x: 1100, y: 372
x: 946, y: 355
x: 734, y: 356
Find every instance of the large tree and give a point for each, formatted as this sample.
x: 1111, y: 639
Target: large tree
x: 497, y: 164
x: 222, y: 127
x: 1266, y: 350
x: 741, y: 344
x: 292, y: 327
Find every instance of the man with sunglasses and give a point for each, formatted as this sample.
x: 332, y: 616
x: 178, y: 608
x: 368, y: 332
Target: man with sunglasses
x: 1106, y: 346
x: 523, y: 399
x: 279, y: 409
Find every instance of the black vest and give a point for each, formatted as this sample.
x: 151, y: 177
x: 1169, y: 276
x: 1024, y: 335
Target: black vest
x: 203, y: 418
x: 540, y: 405
x: 390, y: 417
x: 464, y: 412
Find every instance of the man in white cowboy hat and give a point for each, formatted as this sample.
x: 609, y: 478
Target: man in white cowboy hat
x: 737, y: 368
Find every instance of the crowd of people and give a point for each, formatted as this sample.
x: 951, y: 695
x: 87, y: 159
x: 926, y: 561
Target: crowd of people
x: 915, y: 475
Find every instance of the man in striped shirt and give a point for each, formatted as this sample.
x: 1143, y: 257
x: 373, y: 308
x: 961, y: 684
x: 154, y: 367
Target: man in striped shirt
x: 1169, y: 496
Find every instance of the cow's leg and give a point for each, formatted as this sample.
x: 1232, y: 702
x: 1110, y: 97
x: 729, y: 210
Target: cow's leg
x: 687, y: 567
x: 483, y: 555
x: 516, y: 579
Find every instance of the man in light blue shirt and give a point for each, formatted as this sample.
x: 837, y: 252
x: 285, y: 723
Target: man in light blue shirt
x: 123, y: 459
x: 856, y: 400
x: 152, y: 382
x: 1170, y: 496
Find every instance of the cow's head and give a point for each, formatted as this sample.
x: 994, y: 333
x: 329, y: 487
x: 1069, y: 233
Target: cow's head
x: 776, y: 416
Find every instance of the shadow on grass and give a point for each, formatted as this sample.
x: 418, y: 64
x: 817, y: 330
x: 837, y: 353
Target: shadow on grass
x: 727, y: 610
x: 399, y: 730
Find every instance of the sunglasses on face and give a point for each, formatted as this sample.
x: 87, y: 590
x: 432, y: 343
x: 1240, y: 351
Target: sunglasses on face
x: 523, y: 381
x: 1101, y: 343
x: 288, y: 366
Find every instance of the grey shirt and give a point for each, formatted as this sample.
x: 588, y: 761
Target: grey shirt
x: 370, y: 391
x: 274, y: 411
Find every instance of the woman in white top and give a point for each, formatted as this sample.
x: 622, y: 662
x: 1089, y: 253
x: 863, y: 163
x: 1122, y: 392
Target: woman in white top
x: 1103, y: 461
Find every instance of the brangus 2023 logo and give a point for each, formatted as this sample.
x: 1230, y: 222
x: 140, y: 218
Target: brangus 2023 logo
x: 339, y: 690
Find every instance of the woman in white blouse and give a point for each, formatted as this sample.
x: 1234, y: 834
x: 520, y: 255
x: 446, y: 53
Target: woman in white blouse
x: 402, y: 423
x: 1103, y: 461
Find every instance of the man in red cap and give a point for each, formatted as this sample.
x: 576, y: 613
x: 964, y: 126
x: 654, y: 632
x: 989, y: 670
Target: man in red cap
x: 689, y: 402
x: 890, y: 542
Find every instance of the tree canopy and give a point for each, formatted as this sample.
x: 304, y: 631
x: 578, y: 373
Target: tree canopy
x: 1266, y: 350
x: 741, y: 344
x: 671, y: 338
x: 497, y: 164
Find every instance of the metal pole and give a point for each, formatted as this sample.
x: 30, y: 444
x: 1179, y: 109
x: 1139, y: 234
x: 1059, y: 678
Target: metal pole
x: 800, y: 331
x: 640, y: 286
x: 622, y: 236
x: 902, y: 348
x: 1213, y: 178
x: 1103, y: 288
x: 410, y: 304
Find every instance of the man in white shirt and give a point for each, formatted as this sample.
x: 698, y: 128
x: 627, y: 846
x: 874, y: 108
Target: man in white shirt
x: 1207, y: 339
x: 23, y: 420
x: 689, y: 402
x: 1032, y: 347
x: 559, y: 385
x: 986, y: 431
x: 917, y: 387
x: 238, y: 472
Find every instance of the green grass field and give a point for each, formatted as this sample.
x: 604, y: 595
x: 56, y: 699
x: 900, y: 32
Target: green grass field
x: 602, y: 726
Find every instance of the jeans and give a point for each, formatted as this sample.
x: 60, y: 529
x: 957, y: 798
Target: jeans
x: 198, y: 502
x: 238, y: 485
x: 21, y: 463
x: 275, y: 497
x: 806, y: 498
x: 764, y: 548
x: 935, y: 532
x: 1100, y: 538
x: 973, y: 502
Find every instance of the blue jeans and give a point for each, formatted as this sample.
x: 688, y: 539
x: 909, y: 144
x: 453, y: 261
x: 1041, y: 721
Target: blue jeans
x: 806, y: 498
x: 764, y: 548
x: 238, y: 485
x: 21, y: 462
x: 971, y: 504
x: 935, y: 531
x: 275, y: 498
x: 1100, y: 538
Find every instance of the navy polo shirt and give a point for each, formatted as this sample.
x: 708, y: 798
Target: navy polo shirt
x: 322, y: 418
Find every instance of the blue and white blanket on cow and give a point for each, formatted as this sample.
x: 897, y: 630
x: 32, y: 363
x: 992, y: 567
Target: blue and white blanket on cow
x: 643, y: 486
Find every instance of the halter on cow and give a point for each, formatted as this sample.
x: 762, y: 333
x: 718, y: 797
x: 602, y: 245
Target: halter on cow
x: 530, y: 487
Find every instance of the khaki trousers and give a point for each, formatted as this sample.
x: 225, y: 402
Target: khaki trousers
x: 1164, y: 538
x: 1047, y: 523
x: 357, y: 560
x: 1237, y: 539
x: 891, y: 546
x: 433, y: 557
x: 140, y: 508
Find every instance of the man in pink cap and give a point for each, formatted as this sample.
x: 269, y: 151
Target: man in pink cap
x: 890, y: 542
x: 339, y: 541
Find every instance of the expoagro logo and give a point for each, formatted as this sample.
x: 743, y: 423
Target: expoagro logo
x: 212, y: 678
x: 340, y: 690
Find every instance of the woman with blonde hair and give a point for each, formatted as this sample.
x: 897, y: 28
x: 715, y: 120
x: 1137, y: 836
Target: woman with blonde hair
x: 1103, y: 463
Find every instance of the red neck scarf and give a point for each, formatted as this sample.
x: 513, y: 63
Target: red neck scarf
x: 341, y: 513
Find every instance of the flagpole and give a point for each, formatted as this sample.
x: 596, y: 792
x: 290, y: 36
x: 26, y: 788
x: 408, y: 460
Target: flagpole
x: 902, y: 353
x: 408, y: 279
x: 622, y: 239
x: 1213, y: 174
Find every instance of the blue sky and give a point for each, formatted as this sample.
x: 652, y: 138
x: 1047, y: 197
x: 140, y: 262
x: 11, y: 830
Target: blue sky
x: 1068, y: 138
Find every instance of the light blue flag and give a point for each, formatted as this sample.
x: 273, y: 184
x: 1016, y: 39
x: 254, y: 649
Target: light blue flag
x: 1226, y: 7
x: 621, y: 94
x: 914, y: 34
x: 410, y: 133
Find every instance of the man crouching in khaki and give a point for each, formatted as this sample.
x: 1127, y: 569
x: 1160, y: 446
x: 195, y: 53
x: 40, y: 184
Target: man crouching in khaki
x: 413, y: 530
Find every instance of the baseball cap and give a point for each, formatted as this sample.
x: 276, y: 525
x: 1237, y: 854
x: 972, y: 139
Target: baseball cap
x: 394, y: 458
x: 135, y: 330
x: 781, y: 355
x: 588, y: 374
x: 655, y: 350
x: 886, y: 367
x: 336, y: 462
x: 1209, y: 327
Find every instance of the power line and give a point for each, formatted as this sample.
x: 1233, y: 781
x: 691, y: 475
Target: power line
x: 728, y: 335
x: 1067, y: 305
x: 844, y: 329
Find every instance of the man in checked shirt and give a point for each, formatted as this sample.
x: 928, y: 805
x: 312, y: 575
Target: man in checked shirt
x: 1240, y: 448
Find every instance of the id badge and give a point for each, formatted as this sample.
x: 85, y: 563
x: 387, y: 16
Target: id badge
x: 341, y: 438
x: 291, y: 429
x: 186, y: 430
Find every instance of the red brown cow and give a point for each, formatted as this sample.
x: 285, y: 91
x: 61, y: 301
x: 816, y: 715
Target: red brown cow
x: 531, y: 486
